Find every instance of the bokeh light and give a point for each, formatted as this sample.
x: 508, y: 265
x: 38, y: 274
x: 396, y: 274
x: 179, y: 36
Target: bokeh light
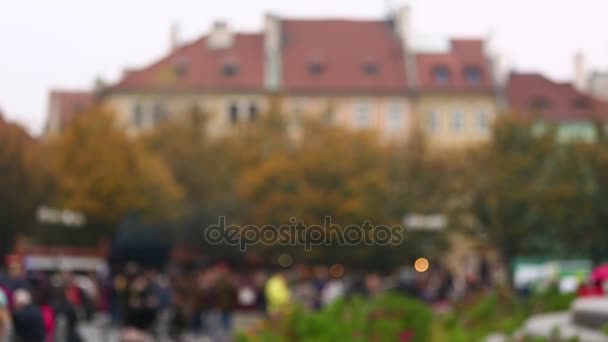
x: 285, y: 260
x: 421, y: 265
x: 336, y: 270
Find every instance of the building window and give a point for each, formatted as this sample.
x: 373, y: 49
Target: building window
x: 581, y: 103
x: 329, y: 116
x: 233, y: 113
x: 483, y: 121
x: 160, y: 114
x: 230, y: 69
x: 181, y: 68
x: 432, y: 121
x: 472, y: 76
x: 137, y: 116
x: 540, y: 103
x: 297, y: 105
x: 394, y: 120
x: 316, y: 68
x: 441, y: 76
x: 362, y: 115
x: 370, y: 68
x: 457, y: 121
x: 253, y: 112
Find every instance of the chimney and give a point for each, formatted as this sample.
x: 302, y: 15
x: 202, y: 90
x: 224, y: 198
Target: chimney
x: 402, y: 25
x: 580, y: 76
x: 403, y: 29
x: 272, y: 51
x: 220, y: 37
x: 174, y: 37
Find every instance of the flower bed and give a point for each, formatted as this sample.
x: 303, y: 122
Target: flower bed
x: 389, y: 317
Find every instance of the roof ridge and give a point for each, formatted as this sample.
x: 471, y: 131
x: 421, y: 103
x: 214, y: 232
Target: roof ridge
x: 334, y: 19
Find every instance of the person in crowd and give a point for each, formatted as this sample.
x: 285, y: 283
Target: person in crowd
x: 320, y: 282
x: 305, y: 293
x: 446, y: 285
x: 373, y: 284
x: 142, y: 305
x: 16, y: 276
x: 226, y: 296
x: 66, y: 315
x: 278, y: 295
x: 48, y: 314
x: 119, y: 298
x: 591, y: 289
x: 28, y: 321
x: 333, y: 290
x: 5, y: 317
x: 259, y: 279
x: 179, y: 317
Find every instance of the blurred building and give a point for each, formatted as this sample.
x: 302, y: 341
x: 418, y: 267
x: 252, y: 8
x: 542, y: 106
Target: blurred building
x: 348, y: 72
x: 456, y: 94
x: 361, y: 74
x: 221, y: 74
x: 63, y: 107
x: 548, y: 103
x: 598, y: 85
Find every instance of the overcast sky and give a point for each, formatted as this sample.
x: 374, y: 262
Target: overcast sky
x: 68, y: 43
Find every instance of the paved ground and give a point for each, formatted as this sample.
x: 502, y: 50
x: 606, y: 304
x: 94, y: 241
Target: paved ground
x: 548, y: 324
x: 100, y: 332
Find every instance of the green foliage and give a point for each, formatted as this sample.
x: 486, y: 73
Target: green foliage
x: 538, y: 196
x: 386, y: 318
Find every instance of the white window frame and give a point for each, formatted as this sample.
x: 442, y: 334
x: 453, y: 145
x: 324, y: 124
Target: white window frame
x: 363, y: 115
x: 483, y: 121
x: 395, y: 117
x: 432, y: 121
x: 457, y: 121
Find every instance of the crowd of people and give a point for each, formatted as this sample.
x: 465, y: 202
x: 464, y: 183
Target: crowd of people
x: 146, y: 303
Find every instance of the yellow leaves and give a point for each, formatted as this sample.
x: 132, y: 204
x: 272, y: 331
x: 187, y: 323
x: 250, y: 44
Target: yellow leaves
x: 105, y: 174
x: 23, y: 180
x: 330, y: 172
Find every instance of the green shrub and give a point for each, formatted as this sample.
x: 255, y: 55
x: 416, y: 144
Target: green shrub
x: 389, y: 317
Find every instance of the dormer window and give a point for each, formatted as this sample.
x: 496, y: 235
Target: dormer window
x: 253, y: 112
x: 160, y: 114
x: 180, y: 68
x: 233, y: 113
x: 580, y: 103
x: 370, y: 68
x: 137, y: 115
x: 316, y: 68
x: 230, y: 69
x: 540, y: 103
x: 472, y: 76
x: 441, y: 76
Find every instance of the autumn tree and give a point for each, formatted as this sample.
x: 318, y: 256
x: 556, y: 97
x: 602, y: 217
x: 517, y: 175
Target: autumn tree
x: 23, y: 183
x: 534, y: 195
x: 328, y: 172
x: 107, y: 175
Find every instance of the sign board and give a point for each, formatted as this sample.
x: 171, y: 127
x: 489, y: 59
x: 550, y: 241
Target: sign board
x: 432, y: 222
x: 58, y: 216
x: 532, y: 272
x: 63, y: 263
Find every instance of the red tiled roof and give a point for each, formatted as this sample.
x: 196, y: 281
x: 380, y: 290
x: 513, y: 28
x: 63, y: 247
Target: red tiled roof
x: 202, y: 67
x: 342, y: 48
x: 463, y: 54
x: 68, y: 104
x: 532, y: 95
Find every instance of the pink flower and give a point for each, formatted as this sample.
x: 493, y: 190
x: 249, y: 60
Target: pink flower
x: 406, y: 336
